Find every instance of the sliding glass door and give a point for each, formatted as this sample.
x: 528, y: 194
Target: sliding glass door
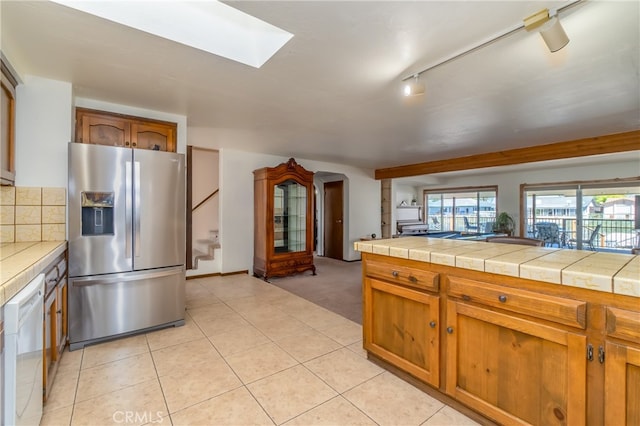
x: 594, y: 216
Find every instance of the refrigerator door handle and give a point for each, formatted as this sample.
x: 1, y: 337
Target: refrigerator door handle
x: 84, y: 282
x: 136, y: 218
x: 128, y: 208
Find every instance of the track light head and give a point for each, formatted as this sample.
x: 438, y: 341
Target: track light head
x: 413, y: 87
x: 548, y: 24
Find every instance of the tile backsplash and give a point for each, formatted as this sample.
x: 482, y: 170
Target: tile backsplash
x: 32, y: 214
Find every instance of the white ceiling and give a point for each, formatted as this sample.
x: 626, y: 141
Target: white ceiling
x: 333, y: 92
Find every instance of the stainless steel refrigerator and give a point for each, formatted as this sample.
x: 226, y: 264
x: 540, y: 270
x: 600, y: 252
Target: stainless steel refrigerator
x: 126, y: 241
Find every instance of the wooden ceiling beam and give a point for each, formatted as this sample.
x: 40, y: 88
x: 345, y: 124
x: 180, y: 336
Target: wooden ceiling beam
x: 607, y: 144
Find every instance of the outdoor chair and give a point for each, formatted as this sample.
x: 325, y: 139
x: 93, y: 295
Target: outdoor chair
x: 436, y: 222
x: 549, y: 233
x: 589, y: 242
x: 468, y: 227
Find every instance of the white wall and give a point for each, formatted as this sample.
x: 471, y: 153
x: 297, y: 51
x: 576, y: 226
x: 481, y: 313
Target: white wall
x: 362, y: 201
x: 45, y: 125
x: 405, y: 193
x: 509, y: 182
x: 44, y: 121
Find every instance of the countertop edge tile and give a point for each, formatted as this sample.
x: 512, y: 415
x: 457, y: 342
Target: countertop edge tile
x: 549, y: 267
x: 43, y: 254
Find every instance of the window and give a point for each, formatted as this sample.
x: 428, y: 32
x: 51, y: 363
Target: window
x: 590, y: 216
x: 461, y: 209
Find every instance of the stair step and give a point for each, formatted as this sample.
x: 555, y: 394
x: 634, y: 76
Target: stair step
x: 208, y: 241
x: 198, y: 254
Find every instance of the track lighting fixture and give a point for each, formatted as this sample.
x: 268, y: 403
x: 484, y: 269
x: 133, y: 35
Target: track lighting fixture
x: 548, y: 24
x: 545, y: 21
x: 413, y: 87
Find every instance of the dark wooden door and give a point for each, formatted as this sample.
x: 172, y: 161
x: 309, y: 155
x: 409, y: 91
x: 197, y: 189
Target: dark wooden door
x: 333, y: 220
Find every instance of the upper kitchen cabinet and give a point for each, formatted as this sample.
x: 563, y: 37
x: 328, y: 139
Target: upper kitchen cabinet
x: 7, y: 126
x: 105, y: 128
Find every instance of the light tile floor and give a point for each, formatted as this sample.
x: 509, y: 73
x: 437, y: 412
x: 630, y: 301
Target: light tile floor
x: 250, y: 353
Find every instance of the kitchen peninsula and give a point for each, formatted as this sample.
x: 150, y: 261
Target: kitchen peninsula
x: 519, y: 334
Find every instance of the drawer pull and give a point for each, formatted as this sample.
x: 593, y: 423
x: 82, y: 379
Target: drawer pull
x: 395, y: 274
x: 413, y: 279
x: 432, y: 324
x: 450, y: 330
x: 502, y: 298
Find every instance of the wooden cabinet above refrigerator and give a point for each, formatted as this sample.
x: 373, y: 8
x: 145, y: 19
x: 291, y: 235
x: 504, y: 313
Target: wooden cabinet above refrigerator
x: 106, y: 128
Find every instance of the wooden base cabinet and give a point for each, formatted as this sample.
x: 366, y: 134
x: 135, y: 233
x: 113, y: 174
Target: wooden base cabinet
x: 622, y: 368
x: 393, y: 333
x: 622, y: 385
x: 513, y: 370
x: 515, y: 351
x: 55, y: 324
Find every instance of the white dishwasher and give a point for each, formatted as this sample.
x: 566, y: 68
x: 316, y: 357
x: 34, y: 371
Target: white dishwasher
x: 23, y: 355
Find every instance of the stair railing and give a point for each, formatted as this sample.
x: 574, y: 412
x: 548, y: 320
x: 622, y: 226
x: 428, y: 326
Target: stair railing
x: 210, y: 196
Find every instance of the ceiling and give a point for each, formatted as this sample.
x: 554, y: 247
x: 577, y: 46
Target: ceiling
x: 333, y: 92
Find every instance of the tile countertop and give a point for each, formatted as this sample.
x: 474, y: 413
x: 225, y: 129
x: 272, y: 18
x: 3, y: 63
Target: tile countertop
x: 21, y: 262
x: 608, y: 272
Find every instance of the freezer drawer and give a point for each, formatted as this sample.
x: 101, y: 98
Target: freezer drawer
x: 106, y: 306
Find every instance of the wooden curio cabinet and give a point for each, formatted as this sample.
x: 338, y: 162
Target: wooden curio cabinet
x: 283, y: 213
x: 105, y: 128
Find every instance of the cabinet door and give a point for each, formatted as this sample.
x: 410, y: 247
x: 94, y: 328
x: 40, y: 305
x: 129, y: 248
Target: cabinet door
x: 401, y: 327
x: 289, y: 217
x: 50, y: 354
x: 7, y: 125
x: 622, y: 385
x: 61, y: 316
x: 153, y: 136
x: 515, y: 371
x: 104, y: 130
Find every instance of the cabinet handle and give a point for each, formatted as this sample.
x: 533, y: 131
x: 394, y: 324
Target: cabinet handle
x: 502, y: 298
x: 133, y: 144
x: 601, y: 355
x: 126, y: 143
x: 590, y: 352
x: 432, y: 324
x: 450, y: 330
x: 395, y: 274
x: 59, y: 312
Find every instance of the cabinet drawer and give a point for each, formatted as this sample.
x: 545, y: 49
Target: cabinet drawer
x: 50, y: 278
x: 291, y: 263
x: 62, y: 267
x: 623, y: 324
x: 558, y: 309
x: 405, y: 275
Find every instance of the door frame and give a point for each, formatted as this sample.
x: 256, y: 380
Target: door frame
x: 319, y: 179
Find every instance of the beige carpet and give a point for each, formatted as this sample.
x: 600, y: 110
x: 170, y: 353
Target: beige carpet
x: 336, y: 287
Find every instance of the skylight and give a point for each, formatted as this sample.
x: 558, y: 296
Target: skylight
x: 206, y: 25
